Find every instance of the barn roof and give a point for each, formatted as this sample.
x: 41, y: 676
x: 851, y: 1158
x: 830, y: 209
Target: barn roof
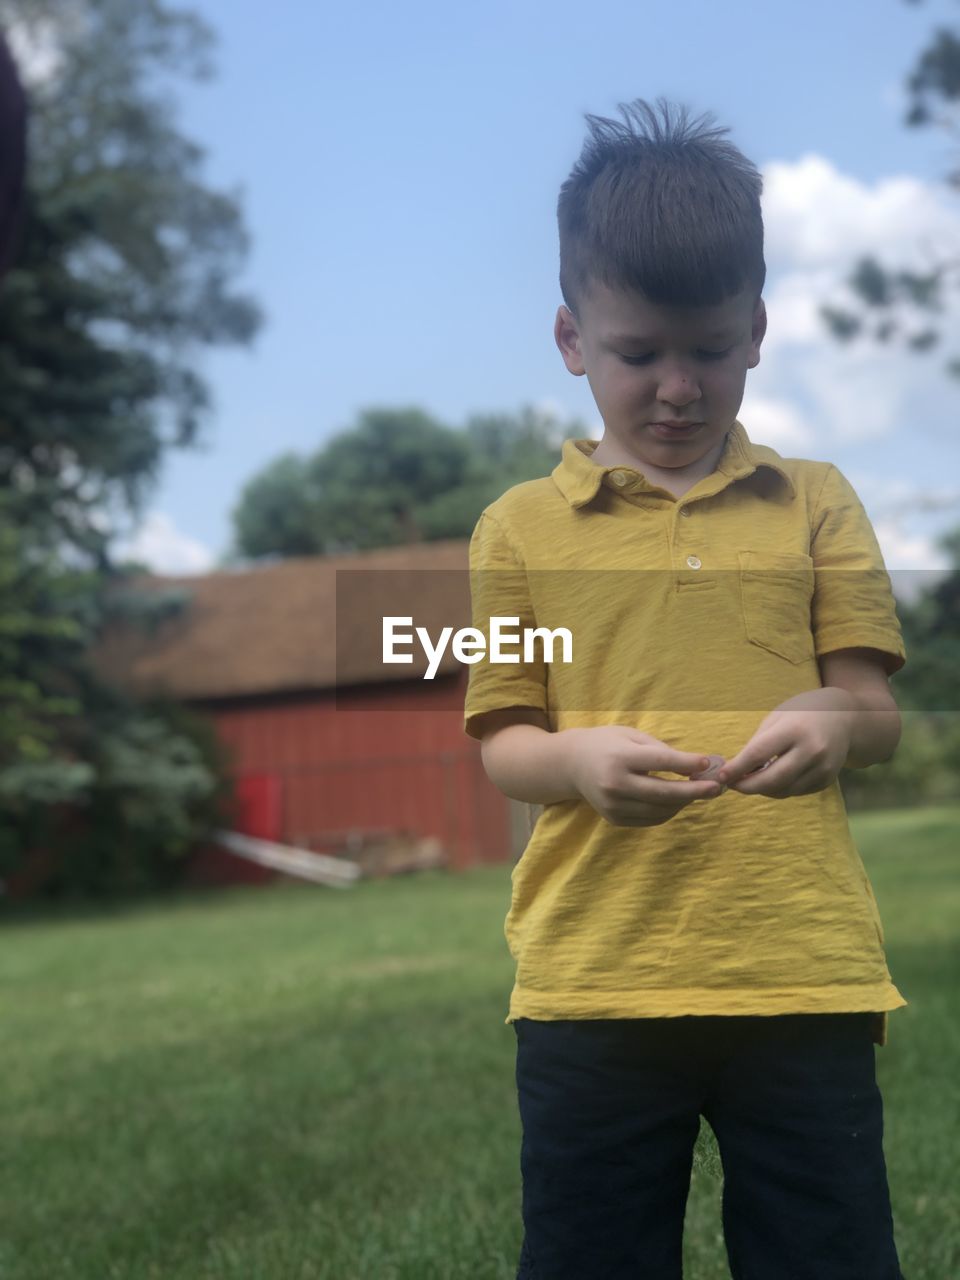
x: 311, y: 622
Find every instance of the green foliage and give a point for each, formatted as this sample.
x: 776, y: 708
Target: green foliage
x: 937, y: 71
x: 43, y: 623
x: 398, y: 476
x: 161, y: 787
x: 930, y: 681
x: 885, y: 291
x: 277, y: 509
x: 888, y: 291
x: 925, y: 768
x: 150, y: 784
x: 124, y: 273
x: 123, y: 270
x: 113, y: 790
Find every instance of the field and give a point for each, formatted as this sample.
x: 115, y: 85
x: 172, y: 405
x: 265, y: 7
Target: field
x: 296, y: 1083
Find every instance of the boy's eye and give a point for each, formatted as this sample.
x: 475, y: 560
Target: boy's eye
x: 705, y: 355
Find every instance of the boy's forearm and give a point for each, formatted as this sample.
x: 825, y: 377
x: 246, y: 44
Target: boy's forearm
x: 876, y: 728
x: 531, y: 764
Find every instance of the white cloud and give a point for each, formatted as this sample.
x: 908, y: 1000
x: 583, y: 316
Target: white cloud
x: 159, y: 544
x: 896, y: 499
x: 775, y: 423
x: 902, y: 550
x: 818, y: 221
x: 815, y: 216
x: 913, y: 561
x: 552, y: 407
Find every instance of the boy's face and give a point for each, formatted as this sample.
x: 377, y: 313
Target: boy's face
x: 648, y: 364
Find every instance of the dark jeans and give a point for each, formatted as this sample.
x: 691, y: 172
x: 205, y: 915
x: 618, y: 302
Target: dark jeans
x: 611, y: 1109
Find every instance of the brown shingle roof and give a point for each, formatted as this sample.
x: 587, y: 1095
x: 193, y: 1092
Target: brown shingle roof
x: 274, y: 627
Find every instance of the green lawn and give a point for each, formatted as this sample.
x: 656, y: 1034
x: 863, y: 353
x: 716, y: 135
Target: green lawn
x: 295, y: 1082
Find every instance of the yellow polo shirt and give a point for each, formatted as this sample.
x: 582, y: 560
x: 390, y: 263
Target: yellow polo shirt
x: 690, y: 620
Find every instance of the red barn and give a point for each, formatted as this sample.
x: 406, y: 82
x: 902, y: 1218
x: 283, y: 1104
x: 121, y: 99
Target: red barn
x: 327, y: 742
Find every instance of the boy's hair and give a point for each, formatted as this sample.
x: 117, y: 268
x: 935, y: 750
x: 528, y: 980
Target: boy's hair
x: 673, y: 213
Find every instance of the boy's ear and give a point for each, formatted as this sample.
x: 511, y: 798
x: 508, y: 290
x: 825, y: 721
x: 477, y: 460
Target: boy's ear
x: 758, y: 330
x: 567, y: 337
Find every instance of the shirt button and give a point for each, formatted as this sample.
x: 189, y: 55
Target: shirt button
x: 618, y: 477
x: 684, y: 511
x: 693, y: 562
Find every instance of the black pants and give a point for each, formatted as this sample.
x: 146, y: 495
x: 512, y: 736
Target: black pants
x: 611, y: 1109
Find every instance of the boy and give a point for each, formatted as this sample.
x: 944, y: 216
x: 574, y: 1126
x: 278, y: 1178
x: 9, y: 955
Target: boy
x: 687, y: 946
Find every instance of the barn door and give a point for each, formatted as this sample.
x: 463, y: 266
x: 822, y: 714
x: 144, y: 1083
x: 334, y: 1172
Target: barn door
x: 260, y: 805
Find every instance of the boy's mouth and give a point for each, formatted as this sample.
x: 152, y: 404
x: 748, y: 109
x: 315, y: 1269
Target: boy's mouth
x: 668, y: 431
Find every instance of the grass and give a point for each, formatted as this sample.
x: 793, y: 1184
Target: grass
x: 295, y: 1083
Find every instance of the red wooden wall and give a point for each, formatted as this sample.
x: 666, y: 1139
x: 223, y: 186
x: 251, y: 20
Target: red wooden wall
x: 312, y: 767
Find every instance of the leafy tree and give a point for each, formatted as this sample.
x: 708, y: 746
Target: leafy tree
x: 398, y: 476
x: 931, y: 630
x: 884, y: 291
x: 277, y: 508
x: 41, y: 635
x: 926, y: 765
x: 123, y: 275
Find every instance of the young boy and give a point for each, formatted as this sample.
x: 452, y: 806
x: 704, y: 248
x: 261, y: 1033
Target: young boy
x: 687, y: 947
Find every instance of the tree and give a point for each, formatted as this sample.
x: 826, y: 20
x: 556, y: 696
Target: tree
x: 124, y: 270
x: 927, y: 762
x: 926, y: 765
x: 931, y: 633
x: 886, y: 290
x: 397, y: 476
x: 124, y: 273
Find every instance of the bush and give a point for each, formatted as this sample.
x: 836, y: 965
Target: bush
x: 925, y: 768
x: 155, y: 786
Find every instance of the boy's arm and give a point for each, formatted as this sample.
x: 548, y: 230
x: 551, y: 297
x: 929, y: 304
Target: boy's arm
x: 853, y: 606
x: 876, y: 726
x: 524, y: 758
x: 855, y: 723
x: 852, y: 720
x: 506, y: 709
x: 610, y: 767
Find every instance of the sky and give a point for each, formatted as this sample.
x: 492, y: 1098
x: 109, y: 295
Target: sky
x: 398, y: 167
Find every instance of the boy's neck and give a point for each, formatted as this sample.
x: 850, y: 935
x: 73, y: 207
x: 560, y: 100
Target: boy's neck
x: 676, y: 480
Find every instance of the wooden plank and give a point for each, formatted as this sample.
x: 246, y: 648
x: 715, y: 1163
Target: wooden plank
x: 338, y: 873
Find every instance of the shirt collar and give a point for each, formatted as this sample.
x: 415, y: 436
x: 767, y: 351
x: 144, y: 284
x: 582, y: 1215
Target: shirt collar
x: 578, y: 478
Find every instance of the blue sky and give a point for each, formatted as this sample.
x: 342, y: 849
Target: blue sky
x: 400, y: 164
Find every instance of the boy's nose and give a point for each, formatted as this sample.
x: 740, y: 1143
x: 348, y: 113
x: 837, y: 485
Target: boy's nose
x: 680, y: 410
x: 679, y: 382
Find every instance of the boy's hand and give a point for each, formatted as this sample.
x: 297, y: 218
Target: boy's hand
x: 610, y: 767
x: 798, y: 749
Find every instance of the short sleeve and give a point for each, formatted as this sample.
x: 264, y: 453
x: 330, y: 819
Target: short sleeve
x: 499, y: 589
x: 853, y: 603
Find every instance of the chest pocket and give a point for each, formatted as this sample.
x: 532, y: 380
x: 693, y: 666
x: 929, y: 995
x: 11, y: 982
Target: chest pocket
x: 776, y: 593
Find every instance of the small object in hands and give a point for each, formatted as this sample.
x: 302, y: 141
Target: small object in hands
x: 763, y: 766
x: 716, y: 764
